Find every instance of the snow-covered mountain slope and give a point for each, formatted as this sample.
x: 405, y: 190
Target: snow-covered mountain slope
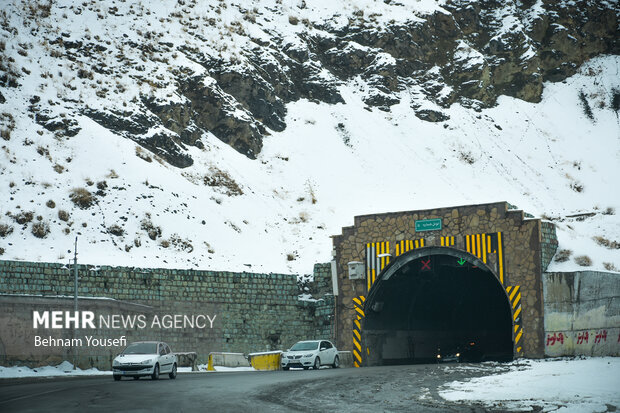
x: 159, y: 135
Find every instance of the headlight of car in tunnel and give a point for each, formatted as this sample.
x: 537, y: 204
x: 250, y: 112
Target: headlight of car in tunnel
x: 308, y: 355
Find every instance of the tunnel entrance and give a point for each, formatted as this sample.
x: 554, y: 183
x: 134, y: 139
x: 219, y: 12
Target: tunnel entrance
x: 437, y: 301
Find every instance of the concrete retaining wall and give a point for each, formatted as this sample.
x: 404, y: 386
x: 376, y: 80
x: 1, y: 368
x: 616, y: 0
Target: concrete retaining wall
x: 346, y: 359
x: 227, y: 360
x: 582, y: 313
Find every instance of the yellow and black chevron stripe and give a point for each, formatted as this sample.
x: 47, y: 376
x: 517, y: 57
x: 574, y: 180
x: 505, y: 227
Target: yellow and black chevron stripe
x: 377, y: 258
x: 447, y: 241
x: 482, y: 244
x: 358, y: 303
x: 514, y: 294
x: 408, y: 245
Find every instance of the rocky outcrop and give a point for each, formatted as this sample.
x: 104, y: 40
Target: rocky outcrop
x: 469, y: 52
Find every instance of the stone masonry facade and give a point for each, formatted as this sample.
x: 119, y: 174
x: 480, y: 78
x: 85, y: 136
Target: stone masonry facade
x: 522, y: 261
x: 255, y: 312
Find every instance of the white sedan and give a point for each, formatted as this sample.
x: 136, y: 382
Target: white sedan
x: 313, y: 353
x: 145, y: 358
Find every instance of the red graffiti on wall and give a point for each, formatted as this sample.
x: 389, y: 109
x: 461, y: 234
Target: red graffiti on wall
x: 554, y: 338
x: 601, y: 335
x: 583, y: 337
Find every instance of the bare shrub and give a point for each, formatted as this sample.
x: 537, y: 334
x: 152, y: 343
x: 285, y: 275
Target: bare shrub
x: 63, y: 215
x: 23, y: 217
x: 604, y: 242
x: 44, y: 152
x: 140, y: 153
x: 609, y: 211
x: 5, y: 230
x: 583, y: 261
x: 116, y: 230
x: 50, y: 204
x: 293, y: 20
x: 576, y: 186
x: 40, y: 229
x: 610, y: 266
x: 164, y: 243
x: 467, y: 157
x: 152, y: 230
x: 59, y: 168
x: 221, y: 179
x: 290, y: 257
x: 587, y: 110
x: 181, y: 244
x: 563, y: 255
x: 82, y: 198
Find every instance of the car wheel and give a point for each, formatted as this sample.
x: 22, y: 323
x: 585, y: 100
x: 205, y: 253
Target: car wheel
x: 336, y: 362
x: 155, y: 374
x: 317, y: 363
x: 285, y: 368
x: 173, y: 373
x: 136, y: 377
x: 116, y: 377
x: 306, y: 367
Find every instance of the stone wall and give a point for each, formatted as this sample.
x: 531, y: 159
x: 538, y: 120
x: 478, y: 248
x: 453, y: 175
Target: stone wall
x: 548, y: 243
x: 254, y: 312
x: 521, y: 264
x: 582, y: 313
x: 18, y: 343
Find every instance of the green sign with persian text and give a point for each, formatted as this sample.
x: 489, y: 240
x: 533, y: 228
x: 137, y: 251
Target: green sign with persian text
x: 428, y: 225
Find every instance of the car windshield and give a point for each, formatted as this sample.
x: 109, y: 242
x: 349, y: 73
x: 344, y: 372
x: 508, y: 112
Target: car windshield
x: 141, y: 348
x: 305, y: 345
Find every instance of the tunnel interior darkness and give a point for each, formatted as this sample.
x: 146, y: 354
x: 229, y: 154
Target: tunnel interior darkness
x: 437, y: 304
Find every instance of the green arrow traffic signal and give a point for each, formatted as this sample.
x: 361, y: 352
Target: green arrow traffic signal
x: 461, y: 261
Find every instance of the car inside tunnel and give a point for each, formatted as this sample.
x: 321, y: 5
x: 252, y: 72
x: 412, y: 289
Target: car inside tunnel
x: 437, y: 307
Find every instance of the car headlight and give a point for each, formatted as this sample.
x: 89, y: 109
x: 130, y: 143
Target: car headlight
x: 438, y: 356
x: 147, y: 362
x: 308, y: 355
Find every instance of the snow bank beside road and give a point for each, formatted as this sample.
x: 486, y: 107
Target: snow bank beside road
x: 63, y: 369
x: 66, y: 369
x: 563, y: 385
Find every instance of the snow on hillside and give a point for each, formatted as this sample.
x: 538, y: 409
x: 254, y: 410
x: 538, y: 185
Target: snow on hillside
x: 332, y: 162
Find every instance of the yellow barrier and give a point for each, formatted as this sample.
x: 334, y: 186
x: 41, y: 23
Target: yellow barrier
x: 266, y: 361
x: 210, y: 363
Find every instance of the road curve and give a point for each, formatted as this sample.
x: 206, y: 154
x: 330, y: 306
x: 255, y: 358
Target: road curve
x: 375, y: 389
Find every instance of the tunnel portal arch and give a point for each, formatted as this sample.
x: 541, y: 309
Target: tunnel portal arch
x: 436, y: 301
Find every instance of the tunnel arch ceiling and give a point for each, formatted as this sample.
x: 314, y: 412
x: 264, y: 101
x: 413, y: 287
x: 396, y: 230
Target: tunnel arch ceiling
x: 433, y: 302
x: 516, y: 249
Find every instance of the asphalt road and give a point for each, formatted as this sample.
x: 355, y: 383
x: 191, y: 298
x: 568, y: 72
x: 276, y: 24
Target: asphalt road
x: 373, y: 389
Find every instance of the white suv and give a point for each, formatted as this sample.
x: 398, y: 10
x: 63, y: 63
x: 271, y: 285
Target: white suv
x: 145, y: 358
x: 313, y: 353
